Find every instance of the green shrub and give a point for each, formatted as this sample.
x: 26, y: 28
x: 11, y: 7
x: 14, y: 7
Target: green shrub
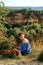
x: 40, y: 57
x: 6, y: 44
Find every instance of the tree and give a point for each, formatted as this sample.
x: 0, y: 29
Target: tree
x: 2, y: 4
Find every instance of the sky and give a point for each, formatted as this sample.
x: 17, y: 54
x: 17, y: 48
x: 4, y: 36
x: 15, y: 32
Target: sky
x: 32, y: 3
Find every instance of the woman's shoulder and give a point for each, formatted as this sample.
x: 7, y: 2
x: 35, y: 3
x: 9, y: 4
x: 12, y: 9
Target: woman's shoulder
x: 25, y: 40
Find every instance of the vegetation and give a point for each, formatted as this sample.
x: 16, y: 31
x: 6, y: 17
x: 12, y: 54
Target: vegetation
x: 40, y: 57
x: 14, y: 21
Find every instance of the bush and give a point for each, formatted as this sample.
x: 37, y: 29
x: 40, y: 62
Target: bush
x: 40, y: 57
x: 6, y: 44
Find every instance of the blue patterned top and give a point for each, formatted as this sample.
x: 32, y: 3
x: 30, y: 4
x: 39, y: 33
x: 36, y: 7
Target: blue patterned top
x: 25, y: 48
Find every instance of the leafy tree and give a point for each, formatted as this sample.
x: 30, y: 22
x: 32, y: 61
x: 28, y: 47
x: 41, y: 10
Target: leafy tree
x: 2, y: 4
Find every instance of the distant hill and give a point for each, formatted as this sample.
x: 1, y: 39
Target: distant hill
x: 19, y: 8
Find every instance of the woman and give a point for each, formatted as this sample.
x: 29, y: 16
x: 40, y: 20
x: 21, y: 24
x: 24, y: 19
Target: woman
x: 25, y: 47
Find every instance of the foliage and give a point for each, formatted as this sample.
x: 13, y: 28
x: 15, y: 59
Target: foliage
x: 2, y: 4
x: 40, y: 57
x: 9, y: 30
x: 5, y: 44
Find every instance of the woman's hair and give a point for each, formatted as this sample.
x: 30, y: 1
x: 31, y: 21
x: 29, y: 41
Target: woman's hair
x: 20, y: 33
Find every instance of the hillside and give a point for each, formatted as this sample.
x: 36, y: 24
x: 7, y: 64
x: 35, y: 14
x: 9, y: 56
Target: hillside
x: 12, y: 22
x: 21, y: 16
x: 25, y: 15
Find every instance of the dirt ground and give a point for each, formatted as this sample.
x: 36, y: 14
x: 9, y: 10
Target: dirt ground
x: 26, y: 62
